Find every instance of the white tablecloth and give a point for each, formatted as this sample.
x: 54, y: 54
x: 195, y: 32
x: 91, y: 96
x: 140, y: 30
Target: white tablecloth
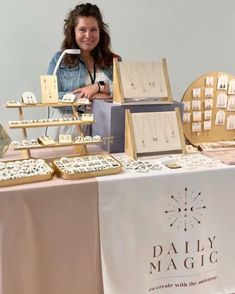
x: 49, y: 238
x: 168, y: 232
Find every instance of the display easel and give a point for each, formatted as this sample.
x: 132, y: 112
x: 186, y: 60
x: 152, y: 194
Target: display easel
x: 151, y: 133
x: 209, y: 103
x: 141, y: 82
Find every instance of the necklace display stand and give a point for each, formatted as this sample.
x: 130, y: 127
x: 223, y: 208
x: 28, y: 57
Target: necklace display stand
x: 209, y: 112
x: 138, y: 87
x: 141, y: 82
x: 151, y: 133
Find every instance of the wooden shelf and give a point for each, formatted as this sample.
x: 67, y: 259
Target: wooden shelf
x: 54, y: 124
x: 46, y: 105
x: 57, y: 145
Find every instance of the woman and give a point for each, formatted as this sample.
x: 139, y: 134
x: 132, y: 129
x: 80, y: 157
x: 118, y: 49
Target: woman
x: 89, y: 74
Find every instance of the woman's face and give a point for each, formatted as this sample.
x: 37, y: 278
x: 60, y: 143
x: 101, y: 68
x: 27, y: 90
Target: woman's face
x: 87, y: 33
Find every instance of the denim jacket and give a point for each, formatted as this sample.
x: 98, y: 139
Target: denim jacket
x: 70, y: 79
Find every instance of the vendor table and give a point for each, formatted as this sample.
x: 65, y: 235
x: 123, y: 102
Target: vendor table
x: 168, y: 231
x: 49, y: 235
x: 165, y: 231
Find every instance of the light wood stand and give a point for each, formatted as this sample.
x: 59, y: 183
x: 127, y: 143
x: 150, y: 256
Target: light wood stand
x: 204, y: 89
x: 79, y: 148
x: 139, y: 82
x: 152, y: 133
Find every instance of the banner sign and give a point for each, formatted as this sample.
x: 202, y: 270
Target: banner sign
x: 168, y: 233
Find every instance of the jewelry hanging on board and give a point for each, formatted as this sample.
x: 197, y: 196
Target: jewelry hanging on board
x: 220, y: 118
x: 152, y: 126
x: 141, y: 128
x: 222, y: 82
x: 231, y: 87
x: 140, y: 73
x: 129, y: 71
x: 231, y: 103
x: 171, y: 123
x: 221, y: 101
x: 163, y: 122
x: 147, y: 75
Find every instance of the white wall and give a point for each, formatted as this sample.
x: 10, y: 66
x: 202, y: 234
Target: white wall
x: 195, y: 36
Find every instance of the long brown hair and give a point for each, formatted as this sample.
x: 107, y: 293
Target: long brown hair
x: 102, y: 54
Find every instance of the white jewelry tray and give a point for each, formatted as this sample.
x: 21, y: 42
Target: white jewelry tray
x: 19, y: 172
x: 86, y: 166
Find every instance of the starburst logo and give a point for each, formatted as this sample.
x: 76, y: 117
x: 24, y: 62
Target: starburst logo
x: 185, y: 209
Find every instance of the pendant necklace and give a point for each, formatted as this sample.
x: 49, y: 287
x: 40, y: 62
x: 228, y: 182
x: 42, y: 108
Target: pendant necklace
x: 155, y: 125
x: 141, y: 129
x: 171, y: 123
x: 152, y: 127
x: 147, y: 74
x: 128, y: 75
x: 153, y: 74
x: 94, y: 74
x: 139, y: 71
x: 160, y: 79
x: 164, y: 127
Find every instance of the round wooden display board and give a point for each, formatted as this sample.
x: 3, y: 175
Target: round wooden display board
x: 216, y: 132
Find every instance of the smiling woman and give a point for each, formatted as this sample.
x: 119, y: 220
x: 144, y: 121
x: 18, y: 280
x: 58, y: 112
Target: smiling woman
x: 88, y: 75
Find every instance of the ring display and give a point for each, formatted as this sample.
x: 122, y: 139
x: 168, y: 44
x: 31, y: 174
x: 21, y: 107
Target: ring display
x: 79, y: 167
x: 24, y: 171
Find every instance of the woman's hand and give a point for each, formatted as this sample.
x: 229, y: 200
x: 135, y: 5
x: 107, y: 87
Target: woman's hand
x: 87, y: 92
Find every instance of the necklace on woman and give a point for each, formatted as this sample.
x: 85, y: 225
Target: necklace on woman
x: 90, y: 66
x: 94, y: 74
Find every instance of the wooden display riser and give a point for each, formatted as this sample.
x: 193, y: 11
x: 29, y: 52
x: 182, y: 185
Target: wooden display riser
x: 110, y: 120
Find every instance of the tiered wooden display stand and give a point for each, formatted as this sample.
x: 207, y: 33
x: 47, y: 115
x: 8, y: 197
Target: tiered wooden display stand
x: 147, y: 133
x: 80, y: 148
x: 74, y: 167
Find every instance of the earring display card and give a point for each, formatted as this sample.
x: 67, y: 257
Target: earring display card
x: 143, y: 80
x: 29, y: 98
x: 156, y: 132
x: 49, y: 89
x: 209, y: 109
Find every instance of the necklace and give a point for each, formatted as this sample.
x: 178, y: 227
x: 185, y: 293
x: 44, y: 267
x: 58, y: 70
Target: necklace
x: 160, y: 78
x: 148, y: 74
x: 153, y: 74
x: 171, y: 123
x: 90, y: 66
x: 141, y: 128
x: 164, y: 126
x: 94, y: 74
x: 128, y: 74
x: 153, y: 127
x: 139, y: 71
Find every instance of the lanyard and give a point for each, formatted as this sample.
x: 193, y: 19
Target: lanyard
x: 94, y: 76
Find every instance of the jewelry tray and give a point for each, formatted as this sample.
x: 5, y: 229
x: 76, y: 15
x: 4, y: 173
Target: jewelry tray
x: 25, y: 179
x: 86, y: 166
